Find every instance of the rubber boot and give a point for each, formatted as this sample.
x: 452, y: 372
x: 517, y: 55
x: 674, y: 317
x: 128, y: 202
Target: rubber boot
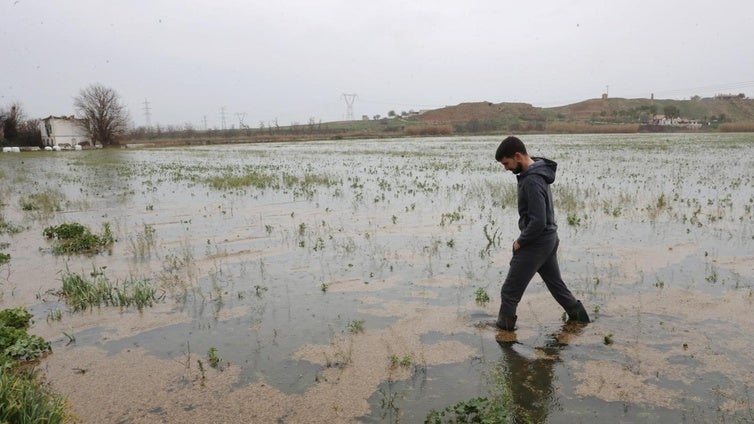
x: 505, y: 322
x: 577, y: 313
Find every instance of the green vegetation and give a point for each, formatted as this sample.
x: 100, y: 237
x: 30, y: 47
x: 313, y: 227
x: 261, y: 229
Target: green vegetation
x: 81, y: 293
x: 481, y: 297
x: 213, y: 358
x: 22, y: 398
x: 8, y: 228
x: 143, y: 243
x: 356, y: 326
x: 405, y: 362
x: 250, y: 179
x: 477, y: 410
x: 76, y: 238
x: 15, y: 343
x: 613, y: 115
x: 45, y: 202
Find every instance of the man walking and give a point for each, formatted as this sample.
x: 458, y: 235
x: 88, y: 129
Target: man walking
x: 535, y: 249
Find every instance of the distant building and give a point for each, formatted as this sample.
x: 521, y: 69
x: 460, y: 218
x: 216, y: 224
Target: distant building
x: 64, y: 132
x: 663, y: 120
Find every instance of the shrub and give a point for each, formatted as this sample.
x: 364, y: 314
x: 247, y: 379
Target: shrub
x: 429, y: 130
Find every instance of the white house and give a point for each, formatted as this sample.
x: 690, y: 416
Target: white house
x: 64, y: 132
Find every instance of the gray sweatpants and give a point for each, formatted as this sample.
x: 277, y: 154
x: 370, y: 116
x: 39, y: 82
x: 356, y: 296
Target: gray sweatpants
x: 538, y: 257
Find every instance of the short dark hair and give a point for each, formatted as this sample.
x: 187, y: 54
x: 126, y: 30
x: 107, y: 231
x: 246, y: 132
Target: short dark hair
x: 509, y: 147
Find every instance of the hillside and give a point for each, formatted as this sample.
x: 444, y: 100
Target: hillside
x: 617, y: 110
x: 590, y: 116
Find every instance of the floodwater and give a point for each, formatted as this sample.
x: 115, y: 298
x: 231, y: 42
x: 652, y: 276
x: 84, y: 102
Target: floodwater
x: 336, y: 280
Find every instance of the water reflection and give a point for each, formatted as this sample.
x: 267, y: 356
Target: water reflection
x: 525, y: 374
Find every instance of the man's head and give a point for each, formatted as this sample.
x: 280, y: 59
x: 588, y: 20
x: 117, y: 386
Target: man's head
x: 512, y: 154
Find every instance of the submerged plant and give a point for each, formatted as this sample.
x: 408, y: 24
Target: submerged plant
x: 143, y: 243
x: 356, y: 326
x: 476, y: 410
x: 45, y: 202
x: 81, y: 293
x: 77, y: 238
x: 493, y: 240
x: 481, y: 296
x: 213, y: 358
x: 9, y: 228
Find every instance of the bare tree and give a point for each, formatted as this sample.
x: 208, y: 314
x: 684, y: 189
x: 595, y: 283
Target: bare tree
x: 11, y: 120
x: 106, y: 118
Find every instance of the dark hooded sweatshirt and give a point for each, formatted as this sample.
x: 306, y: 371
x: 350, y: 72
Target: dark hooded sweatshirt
x: 535, y: 209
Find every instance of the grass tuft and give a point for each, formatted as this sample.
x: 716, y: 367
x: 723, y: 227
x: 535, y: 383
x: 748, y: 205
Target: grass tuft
x: 81, y: 293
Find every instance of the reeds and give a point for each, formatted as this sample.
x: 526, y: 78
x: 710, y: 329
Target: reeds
x: 737, y: 127
x: 81, y: 293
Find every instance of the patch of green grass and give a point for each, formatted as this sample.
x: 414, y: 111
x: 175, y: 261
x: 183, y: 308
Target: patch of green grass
x: 81, y: 293
x: 76, y: 238
x: 23, y: 400
x: 249, y: 179
x: 45, y: 202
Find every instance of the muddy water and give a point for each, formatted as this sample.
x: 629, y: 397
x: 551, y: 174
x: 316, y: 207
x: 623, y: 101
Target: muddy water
x: 338, y: 284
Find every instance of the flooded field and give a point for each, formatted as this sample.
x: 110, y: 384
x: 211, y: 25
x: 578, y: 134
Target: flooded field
x: 345, y: 281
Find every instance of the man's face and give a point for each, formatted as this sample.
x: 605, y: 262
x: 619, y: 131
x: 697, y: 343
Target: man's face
x: 512, y: 164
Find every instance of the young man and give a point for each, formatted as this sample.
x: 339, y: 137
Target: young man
x: 535, y: 249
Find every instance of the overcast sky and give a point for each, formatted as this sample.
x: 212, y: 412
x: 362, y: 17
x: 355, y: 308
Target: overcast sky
x: 293, y: 60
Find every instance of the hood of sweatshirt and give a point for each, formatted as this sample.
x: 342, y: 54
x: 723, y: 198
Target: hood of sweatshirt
x: 541, y: 166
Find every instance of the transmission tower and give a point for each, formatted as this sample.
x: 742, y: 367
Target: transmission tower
x: 222, y: 118
x: 349, y: 98
x: 241, y: 116
x: 147, y: 114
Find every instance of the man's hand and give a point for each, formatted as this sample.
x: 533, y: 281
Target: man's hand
x: 516, y: 246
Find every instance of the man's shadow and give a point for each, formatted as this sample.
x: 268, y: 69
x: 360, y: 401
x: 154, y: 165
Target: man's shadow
x: 524, y: 375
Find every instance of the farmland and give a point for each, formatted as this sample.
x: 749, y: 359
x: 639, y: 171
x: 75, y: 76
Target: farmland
x: 335, y: 281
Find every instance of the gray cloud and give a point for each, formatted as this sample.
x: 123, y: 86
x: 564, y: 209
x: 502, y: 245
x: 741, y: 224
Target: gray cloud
x: 292, y: 60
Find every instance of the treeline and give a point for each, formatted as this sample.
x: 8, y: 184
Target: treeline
x: 16, y: 130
